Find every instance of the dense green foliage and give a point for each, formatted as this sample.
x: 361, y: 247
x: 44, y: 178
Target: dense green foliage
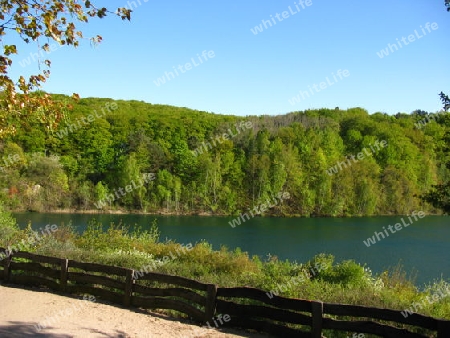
x: 439, y: 195
x: 319, y: 279
x: 91, y: 158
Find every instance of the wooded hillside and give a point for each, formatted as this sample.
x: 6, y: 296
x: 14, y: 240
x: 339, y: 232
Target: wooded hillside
x: 198, y: 162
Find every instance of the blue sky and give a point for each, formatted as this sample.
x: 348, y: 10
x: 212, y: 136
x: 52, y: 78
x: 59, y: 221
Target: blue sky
x: 255, y: 74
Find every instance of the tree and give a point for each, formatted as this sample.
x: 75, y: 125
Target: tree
x: 131, y: 172
x: 101, y: 192
x: 439, y: 195
x: 39, y: 21
x: 46, y: 183
x: 445, y: 100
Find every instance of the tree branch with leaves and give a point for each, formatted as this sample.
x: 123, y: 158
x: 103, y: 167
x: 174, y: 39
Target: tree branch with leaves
x: 39, y: 21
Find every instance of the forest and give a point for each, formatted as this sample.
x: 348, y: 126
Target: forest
x: 210, y: 164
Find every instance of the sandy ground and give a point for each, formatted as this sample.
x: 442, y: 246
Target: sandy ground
x: 23, y: 309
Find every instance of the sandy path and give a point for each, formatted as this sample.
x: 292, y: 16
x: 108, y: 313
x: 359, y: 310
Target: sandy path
x: 22, y: 309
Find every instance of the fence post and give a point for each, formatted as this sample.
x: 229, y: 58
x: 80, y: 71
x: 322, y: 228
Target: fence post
x: 444, y: 329
x: 7, y: 266
x: 128, y: 288
x: 2, y: 261
x: 64, y: 273
x: 211, y: 296
x: 317, y: 316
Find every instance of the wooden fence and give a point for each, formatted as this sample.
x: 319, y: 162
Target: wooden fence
x: 248, y: 308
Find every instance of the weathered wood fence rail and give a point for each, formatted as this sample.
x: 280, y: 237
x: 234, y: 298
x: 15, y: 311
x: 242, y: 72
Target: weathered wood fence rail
x: 248, y: 308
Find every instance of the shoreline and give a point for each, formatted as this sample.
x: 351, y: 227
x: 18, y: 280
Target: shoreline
x: 199, y: 214
x: 115, y: 212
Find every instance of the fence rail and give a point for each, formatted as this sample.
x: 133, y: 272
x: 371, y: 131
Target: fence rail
x: 248, y: 308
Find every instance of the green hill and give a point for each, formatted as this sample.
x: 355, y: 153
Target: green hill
x: 329, y: 161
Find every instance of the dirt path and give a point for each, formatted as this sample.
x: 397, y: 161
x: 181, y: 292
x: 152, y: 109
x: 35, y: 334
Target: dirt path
x: 22, y: 310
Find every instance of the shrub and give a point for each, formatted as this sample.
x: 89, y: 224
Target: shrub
x: 8, y: 228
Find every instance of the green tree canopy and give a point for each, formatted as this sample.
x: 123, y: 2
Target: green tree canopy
x: 439, y: 195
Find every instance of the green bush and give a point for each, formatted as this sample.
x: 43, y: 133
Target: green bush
x: 9, y: 229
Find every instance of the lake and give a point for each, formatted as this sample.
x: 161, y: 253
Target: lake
x: 423, y: 247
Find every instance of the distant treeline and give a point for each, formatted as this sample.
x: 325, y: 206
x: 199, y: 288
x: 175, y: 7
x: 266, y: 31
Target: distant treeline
x: 218, y: 164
